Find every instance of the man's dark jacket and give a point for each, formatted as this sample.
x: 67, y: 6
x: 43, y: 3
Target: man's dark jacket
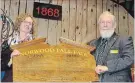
x: 118, y: 57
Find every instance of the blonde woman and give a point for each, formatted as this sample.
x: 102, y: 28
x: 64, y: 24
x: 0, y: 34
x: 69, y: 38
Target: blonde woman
x: 25, y: 27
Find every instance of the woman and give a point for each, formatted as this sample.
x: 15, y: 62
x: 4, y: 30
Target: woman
x: 25, y: 27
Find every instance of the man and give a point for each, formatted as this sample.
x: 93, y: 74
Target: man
x: 114, y: 54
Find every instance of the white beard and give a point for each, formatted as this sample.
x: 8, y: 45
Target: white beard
x: 106, y: 33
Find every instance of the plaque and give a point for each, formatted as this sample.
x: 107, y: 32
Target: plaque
x: 66, y: 62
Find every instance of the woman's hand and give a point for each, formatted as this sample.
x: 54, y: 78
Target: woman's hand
x: 15, y: 53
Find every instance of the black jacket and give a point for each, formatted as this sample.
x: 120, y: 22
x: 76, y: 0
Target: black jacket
x: 5, y: 56
x: 118, y: 57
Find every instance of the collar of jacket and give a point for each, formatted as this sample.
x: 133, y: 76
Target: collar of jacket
x: 97, y: 42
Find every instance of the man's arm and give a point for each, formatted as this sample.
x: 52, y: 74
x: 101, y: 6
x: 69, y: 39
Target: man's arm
x: 127, y: 52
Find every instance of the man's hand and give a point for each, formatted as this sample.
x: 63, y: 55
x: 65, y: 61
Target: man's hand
x: 101, y: 69
x: 15, y: 53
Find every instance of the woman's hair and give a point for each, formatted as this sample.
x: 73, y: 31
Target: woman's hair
x: 20, y: 19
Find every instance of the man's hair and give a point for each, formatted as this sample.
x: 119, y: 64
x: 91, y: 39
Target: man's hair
x: 106, y: 13
x: 21, y: 18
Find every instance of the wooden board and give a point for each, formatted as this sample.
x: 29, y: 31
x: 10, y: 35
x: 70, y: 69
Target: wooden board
x: 29, y: 9
x: 72, y: 19
x: 116, y: 14
x: 75, y: 13
x: 65, y: 18
x: 123, y: 23
x: 84, y: 20
x: 7, y: 7
x: 14, y: 9
x: 91, y: 19
x: 59, y: 25
x: 78, y: 34
x: 52, y: 37
x: 99, y: 11
x: 110, y: 6
x: 2, y: 5
x: 131, y: 26
x: 43, y: 25
x: 105, y: 5
x: 22, y: 6
x: 66, y: 62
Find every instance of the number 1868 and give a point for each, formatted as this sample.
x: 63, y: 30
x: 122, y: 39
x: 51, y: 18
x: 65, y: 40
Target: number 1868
x: 48, y: 11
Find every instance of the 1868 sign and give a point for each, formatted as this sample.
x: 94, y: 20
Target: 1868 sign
x: 47, y: 11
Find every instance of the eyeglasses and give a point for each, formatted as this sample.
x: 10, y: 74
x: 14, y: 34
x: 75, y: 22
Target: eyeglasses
x: 103, y: 22
x: 26, y: 22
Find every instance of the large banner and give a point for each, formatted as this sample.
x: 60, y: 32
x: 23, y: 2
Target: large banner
x: 66, y: 62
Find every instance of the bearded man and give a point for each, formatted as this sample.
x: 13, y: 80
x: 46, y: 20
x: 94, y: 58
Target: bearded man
x: 114, y: 54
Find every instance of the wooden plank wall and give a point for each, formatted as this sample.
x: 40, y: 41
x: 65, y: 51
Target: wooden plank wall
x: 79, y: 18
